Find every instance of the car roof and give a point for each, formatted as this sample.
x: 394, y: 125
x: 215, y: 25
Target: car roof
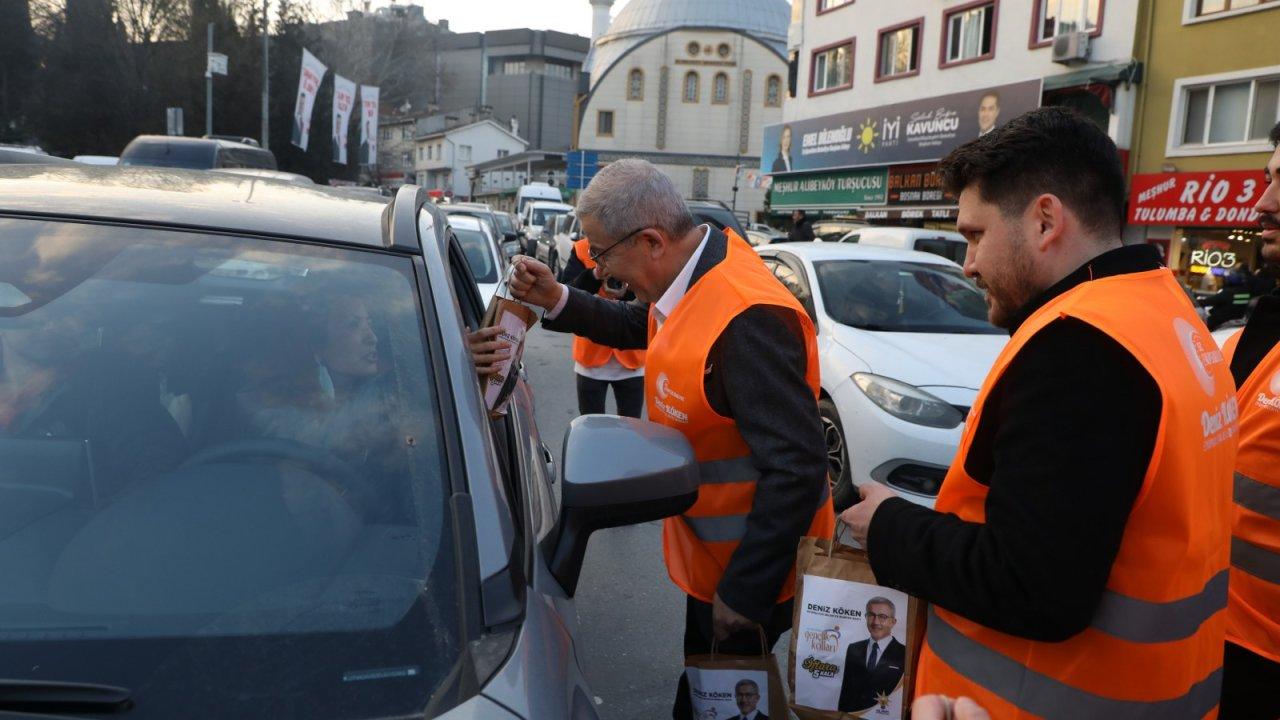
x: 818, y: 251
x: 550, y: 204
x: 183, y: 140
x: 466, y: 222
x: 910, y: 232
x: 194, y: 199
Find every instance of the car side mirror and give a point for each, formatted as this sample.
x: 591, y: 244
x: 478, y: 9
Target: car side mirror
x: 575, y: 237
x: 617, y: 471
x: 511, y: 248
x: 509, y: 236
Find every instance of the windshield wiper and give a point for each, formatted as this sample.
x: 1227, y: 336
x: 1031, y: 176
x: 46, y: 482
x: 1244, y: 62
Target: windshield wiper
x: 46, y: 697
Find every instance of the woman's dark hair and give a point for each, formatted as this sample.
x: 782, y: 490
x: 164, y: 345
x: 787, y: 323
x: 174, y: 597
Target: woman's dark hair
x: 1050, y: 150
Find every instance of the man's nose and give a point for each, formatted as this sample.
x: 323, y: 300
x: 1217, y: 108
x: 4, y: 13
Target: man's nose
x: 1269, y: 202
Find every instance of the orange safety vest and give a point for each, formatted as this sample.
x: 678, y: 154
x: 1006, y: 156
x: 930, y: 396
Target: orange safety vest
x: 697, y: 545
x: 592, y: 354
x: 1253, y: 607
x: 1154, y: 647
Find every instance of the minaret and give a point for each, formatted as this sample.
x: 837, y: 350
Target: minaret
x: 599, y: 18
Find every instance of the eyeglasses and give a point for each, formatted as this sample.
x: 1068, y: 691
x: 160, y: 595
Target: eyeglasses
x: 598, y: 257
x: 879, y: 616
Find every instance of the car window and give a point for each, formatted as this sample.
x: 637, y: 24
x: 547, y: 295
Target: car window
x: 246, y: 158
x: 852, y: 238
x: 230, y: 451
x: 950, y: 249
x: 902, y: 297
x: 542, y: 216
x: 478, y: 249
x: 791, y: 274
x: 191, y: 156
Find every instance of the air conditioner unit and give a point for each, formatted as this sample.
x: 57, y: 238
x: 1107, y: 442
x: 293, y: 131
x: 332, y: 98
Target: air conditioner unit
x: 1071, y: 48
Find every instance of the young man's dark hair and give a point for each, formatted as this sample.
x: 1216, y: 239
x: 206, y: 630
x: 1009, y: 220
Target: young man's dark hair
x: 1275, y: 135
x: 1050, y: 150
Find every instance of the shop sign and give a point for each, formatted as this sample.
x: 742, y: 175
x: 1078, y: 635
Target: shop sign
x: 818, y: 191
x: 916, y: 185
x: 907, y: 132
x: 1196, y: 199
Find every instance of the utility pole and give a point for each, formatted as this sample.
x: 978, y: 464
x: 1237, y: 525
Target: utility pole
x: 266, y: 77
x: 208, y: 88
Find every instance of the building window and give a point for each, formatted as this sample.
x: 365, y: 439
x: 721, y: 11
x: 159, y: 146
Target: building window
x: 831, y: 68
x: 554, y: 69
x: 969, y: 33
x: 386, y: 133
x: 1052, y: 18
x: 604, y: 123
x: 635, y: 84
x: 773, y: 91
x: 899, y: 52
x: 723, y: 50
x: 829, y: 5
x: 701, y: 183
x: 1227, y: 114
x: 720, y: 89
x: 407, y: 159
x: 498, y: 66
x: 405, y: 133
x: 691, y: 87
x: 503, y: 153
x: 1202, y: 8
x: 421, y: 157
x: 464, y: 153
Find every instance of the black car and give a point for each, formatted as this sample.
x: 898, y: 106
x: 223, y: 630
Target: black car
x: 195, y: 153
x: 247, y: 470
x: 716, y: 214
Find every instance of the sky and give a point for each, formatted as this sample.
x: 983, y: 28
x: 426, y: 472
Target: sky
x: 571, y: 16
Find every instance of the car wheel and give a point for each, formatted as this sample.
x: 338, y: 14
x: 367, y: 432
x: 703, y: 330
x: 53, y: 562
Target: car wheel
x: 843, y: 493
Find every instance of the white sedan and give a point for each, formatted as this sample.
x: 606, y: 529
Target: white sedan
x: 904, y: 345
x: 482, y: 251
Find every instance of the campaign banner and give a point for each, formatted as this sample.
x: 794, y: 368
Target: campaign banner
x: 368, y: 125
x: 907, y: 132
x: 344, y: 99
x: 1199, y: 199
x: 308, y: 85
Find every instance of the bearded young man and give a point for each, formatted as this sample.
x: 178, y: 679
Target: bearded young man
x: 1076, y: 563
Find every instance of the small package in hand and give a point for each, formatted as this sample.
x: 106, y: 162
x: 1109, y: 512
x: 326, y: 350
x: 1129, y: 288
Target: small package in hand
x: 515, y: 318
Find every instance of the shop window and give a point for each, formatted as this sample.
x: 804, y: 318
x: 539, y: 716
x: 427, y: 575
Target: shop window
x: 635, y: 84
x: 720, y: 89
x: 1052, y: 18
x: 604, y: 123
x: 969, y: 33
x: 773, y: 91
x: 1203, y: 8
x: 898, y: 54
x: 1228, y: 114
x: 831, y: 68
x: 701, y: 183
x: 691, y: 87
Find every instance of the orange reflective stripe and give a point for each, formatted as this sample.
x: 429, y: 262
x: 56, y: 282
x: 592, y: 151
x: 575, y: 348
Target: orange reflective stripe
x: 1154, y: 648
x: 698, y: 545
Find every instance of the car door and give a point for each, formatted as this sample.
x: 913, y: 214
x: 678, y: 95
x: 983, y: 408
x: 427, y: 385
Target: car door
x: 791, y: 273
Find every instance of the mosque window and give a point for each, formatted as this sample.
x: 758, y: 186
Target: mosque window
x: 720, y: 89
x: 635, y: 84
x: 604, y: 123
x: 691, y: 87
x: 773, y: 91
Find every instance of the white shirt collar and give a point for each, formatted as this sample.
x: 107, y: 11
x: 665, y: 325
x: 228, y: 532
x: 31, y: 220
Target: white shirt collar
x: 674, y: 294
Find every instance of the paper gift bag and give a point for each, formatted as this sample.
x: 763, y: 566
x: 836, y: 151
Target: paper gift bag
x: 726, y: 686
x: 515, y: 318
x: 834, y: 673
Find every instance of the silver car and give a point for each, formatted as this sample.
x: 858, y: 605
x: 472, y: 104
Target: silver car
x: 246, y: 470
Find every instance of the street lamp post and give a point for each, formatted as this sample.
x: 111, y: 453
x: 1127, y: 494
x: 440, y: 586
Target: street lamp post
x: 266, y: 77
x: 208, y: 88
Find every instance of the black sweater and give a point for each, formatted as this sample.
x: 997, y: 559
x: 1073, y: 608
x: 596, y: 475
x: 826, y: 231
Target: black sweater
x: 755, y: 375
x: 1064, y: 442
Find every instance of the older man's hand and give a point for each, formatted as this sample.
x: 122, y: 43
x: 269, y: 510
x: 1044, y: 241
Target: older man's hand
x: 726, y: 621
x: 534, y: 283
x: 858, y: 517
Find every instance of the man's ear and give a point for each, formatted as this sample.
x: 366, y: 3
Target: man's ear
x: 1045, y: 220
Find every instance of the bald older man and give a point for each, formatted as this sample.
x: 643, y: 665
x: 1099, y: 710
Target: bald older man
x: 732, y: 363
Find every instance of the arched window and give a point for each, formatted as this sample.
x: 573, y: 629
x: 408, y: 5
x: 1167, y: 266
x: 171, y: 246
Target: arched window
x: 635, y: 84
x: 720, y: 89
x: 773, y: 92
x: 691, y: 87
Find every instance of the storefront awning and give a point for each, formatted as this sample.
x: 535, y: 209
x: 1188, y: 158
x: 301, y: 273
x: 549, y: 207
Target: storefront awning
x: 910, y: 213
x: 1129, y: 71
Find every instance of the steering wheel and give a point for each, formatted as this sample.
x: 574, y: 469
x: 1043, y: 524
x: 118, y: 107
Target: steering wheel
x: 319, y: 461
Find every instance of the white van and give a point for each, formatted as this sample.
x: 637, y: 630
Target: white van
x: 945, y: 243
x: 536, y: 191
x: 537, y: 214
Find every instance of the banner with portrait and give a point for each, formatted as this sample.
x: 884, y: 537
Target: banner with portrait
x: 308, y: 85
x: 368, y: 125
x: 853, y: 642
x: 344, y: 100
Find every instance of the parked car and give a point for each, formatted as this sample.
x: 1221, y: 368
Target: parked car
x: 194, y: 153
x: 97, y: 159
x: 536, y: 215
x: 944, y: 243
x: 757, y: 238
x: 717, y: 214
x: 835, y: 230
x: 22, y: 156
x: 559, y: 239
x: 772, y: 233
x: 483, y: 254
x: 511, y: 233
x: 484, y: 214
x: 268, y: 486
x: 536, y: 191
x: 904, y: 346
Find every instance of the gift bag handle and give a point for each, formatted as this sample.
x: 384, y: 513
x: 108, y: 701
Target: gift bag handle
x: 764, y: 644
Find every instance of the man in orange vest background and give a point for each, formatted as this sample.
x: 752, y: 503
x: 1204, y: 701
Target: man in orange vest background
x: 1251, y: 669
x: 732, y: 364
x: 598, y: 367
x: 1076, y: 562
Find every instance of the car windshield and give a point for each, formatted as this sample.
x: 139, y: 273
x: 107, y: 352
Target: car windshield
x: 478, y: 249
x: 191, y: 156
x: 542, y: 216
x: 902, y: 297
x: 222, y: 481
